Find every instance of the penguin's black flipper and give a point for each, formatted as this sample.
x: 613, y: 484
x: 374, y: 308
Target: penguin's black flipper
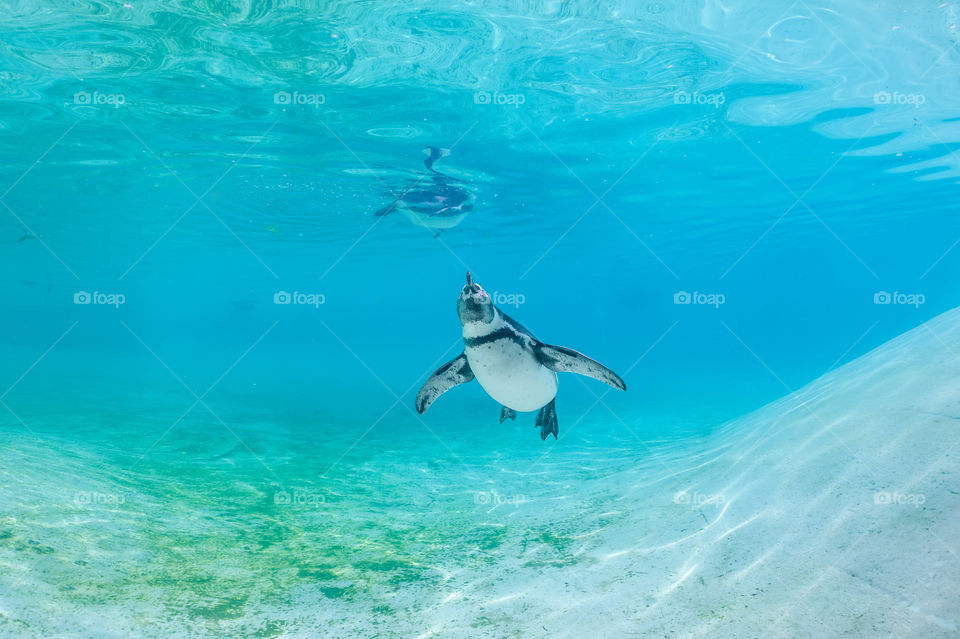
x: 547, y: 420
x: 453, y: 373
x: 388, y: 209
x: 566, y: 360
x: 507, y: 413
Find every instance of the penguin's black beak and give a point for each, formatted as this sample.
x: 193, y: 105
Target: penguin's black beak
x: 471, y: 287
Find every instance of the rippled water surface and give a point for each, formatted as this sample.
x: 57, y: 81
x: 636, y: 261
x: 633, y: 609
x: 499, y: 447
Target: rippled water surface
x: 225, y: 270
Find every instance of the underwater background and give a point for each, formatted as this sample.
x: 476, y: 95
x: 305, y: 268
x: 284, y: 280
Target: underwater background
x: 211, y: 344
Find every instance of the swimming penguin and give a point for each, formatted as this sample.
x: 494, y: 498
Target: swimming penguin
x: 513, y: 367
x: 436, y: 201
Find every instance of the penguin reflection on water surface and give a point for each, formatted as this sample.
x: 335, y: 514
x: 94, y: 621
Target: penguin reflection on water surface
x: 513, y: 367
x: 436, y: 201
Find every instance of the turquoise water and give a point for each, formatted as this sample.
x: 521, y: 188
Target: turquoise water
x: 185, y: 456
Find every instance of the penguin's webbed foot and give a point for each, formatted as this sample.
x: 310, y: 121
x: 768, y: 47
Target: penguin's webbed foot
x: 547, y: 420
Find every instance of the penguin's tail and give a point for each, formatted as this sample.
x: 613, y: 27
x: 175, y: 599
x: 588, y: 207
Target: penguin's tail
x: 434, y: 153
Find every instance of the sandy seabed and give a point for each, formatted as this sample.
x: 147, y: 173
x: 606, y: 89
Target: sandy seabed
x: 834, y: 511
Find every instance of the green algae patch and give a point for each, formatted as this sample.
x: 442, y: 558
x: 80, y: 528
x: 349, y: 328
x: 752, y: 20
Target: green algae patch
x: 552, y: 550
x: 18, y: 544
x: 487, y: 537
x: 217, y: 546
x: 386, y: 565
x: 224, y: 609
x: 562, y: 562
x: 39, y: 548
x: 555, y: 540
x: 317, y: 573
x: 383, y: 609
x: 337, y: 592
x: 270, y: 629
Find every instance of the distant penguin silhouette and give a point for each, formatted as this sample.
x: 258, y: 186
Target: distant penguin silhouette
x: 435, y: 200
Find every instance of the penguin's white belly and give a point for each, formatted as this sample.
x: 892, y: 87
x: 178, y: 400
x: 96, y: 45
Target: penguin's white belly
x: 512, y: 376
x: 431, y: 221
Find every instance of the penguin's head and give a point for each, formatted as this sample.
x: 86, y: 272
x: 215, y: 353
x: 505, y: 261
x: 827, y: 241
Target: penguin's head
x: 474, y: 304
